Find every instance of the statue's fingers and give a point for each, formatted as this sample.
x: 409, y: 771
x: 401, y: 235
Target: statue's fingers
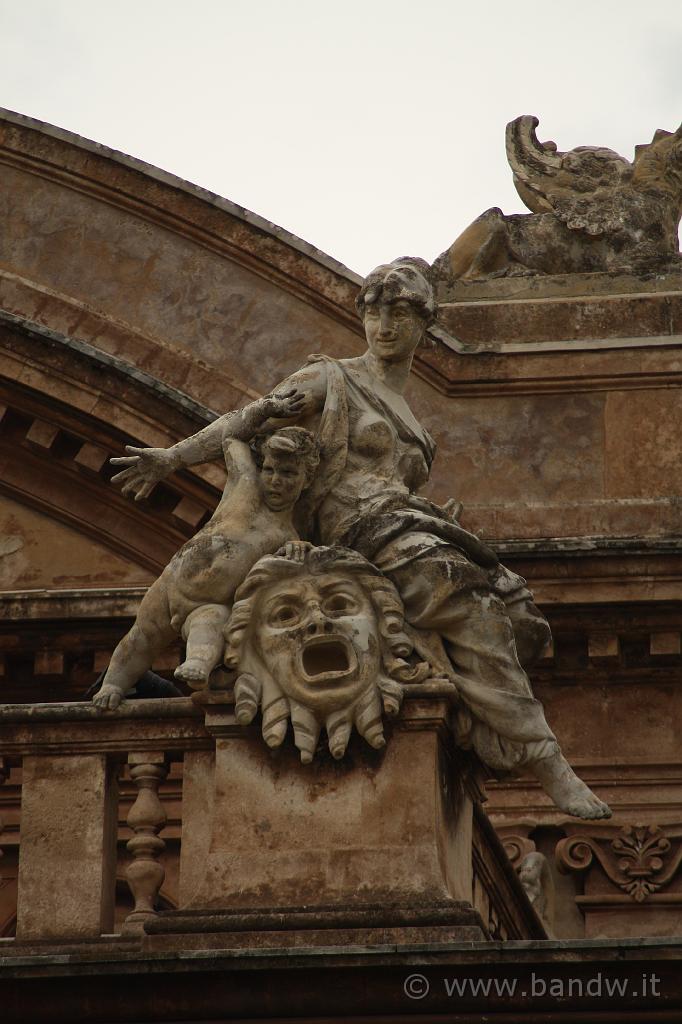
x: 126, y: 474
x: 125, y: 460
x: 136, y: 451
x: 145, y: 490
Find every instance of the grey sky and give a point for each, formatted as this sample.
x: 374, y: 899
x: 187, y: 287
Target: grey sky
x: 370, y: 128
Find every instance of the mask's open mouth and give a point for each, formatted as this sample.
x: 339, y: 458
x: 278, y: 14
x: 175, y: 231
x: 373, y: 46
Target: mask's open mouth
x: 326, y: 658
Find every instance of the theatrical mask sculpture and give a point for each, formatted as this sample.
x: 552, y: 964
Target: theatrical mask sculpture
x: 317, y: 638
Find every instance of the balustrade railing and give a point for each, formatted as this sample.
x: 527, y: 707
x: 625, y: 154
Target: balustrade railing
x: 71, y: 757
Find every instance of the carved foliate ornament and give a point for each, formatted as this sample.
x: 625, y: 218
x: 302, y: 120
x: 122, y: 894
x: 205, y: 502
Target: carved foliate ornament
x: 639, y: 860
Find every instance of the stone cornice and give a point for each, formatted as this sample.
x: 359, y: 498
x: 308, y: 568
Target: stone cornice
x: 206, y: 218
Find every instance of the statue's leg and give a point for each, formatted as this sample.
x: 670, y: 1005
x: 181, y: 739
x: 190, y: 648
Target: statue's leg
x: 203, y: 632
x: 531, y: 629
x: 134, y: 655
x: 444, y: 592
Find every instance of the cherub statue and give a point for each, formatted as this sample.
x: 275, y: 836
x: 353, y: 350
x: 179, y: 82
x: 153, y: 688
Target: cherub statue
x: 193, y: 595
x: 592, y: 210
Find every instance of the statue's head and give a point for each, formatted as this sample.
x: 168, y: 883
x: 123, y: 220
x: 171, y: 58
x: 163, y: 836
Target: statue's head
x: 287, y: 460
x: 318, y: 641
x: 396, y: 303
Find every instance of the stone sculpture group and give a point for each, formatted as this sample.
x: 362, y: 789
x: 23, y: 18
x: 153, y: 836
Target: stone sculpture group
x: 323, y: 581
x: 326, y: 583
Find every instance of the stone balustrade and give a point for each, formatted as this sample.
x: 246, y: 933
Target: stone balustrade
x: 71, y: 757
x: 432, y: 831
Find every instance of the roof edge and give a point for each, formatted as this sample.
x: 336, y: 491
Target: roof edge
x: 197, y: 191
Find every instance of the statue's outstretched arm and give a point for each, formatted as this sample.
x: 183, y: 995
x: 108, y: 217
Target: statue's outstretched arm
x: 296, y: 397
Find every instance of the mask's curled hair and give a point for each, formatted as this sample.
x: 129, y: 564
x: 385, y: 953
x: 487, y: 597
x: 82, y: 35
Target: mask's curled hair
x: 318, y: 561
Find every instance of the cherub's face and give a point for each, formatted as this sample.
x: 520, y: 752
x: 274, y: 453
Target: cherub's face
x: 282, y: 477
x: 318, y: 637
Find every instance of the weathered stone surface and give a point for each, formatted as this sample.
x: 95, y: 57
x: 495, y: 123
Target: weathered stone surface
x: 280, y: 834
x: 67, y: 855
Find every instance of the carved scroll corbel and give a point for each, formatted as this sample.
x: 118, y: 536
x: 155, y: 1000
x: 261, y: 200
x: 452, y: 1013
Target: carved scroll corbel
x: 639, y: 860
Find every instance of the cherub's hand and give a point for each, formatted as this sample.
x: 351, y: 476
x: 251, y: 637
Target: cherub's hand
x: 295, y: 550
x: 285, y: 405
x: 108, y: 698
x: 144, y: 468
x: 453, y: 509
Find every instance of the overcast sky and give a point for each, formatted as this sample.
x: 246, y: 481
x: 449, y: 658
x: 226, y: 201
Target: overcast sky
x: 370, y: 128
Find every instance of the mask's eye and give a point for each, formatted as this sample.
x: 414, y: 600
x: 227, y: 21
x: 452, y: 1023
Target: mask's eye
x: 339, y: 604
x: 284, y: 615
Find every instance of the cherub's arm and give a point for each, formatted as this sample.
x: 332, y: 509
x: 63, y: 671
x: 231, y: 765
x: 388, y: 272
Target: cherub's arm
x: 304, y: 392
x: 242, y: 473
x: 239, y: 461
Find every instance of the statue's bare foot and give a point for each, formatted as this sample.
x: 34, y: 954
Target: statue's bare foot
x: 107, y: 698
x: 193, y: 672
x: 568, y: 792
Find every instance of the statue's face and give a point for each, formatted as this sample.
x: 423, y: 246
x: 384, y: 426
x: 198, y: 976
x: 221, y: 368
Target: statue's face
x: 283, y: 477
x: 317, y: 636
x: 393, y: 329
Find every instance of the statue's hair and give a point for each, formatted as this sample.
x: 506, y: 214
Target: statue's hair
x: 407, y: 278
x: 289, y: 441
x: 318, y: 561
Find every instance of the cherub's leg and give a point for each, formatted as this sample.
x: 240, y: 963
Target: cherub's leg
x: 203, y: 631
x: 149, y: 636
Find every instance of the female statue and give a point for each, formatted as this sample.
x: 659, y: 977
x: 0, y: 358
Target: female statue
x: 374, y: 458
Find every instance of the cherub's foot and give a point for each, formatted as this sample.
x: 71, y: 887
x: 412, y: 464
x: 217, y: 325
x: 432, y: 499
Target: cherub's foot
x: 568, y: 792
x: 193, y: 672
x: 108, y: 698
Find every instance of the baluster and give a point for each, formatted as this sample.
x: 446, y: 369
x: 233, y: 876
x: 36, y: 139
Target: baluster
x: 147, y: 817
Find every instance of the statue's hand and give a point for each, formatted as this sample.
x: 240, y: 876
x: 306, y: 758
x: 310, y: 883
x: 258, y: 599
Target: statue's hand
x: 144, y: 468
x: 285, y: 405
x: 453, y: 509
x: 295, y: 550
x: 108, y: 698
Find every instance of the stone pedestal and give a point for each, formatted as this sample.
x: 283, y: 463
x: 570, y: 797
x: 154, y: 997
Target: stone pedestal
x: 375, y: 847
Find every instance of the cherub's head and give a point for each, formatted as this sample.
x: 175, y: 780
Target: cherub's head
x: 319, y: 642
x: 288, y: 460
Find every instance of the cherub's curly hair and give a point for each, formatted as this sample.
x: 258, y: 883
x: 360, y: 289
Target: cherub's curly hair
x: 289, y: 441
